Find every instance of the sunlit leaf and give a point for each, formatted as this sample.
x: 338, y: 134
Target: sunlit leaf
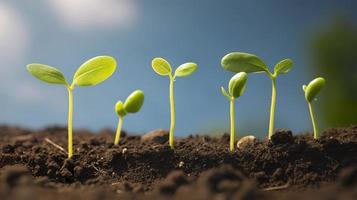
x: 161, y: 66
x: 243, y: 62
x: 95, y: 71
x: 47, y: 73
x: 283, y: 66
x: 186, y: 69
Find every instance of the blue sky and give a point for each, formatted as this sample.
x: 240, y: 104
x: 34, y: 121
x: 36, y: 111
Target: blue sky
x: 65, y: 33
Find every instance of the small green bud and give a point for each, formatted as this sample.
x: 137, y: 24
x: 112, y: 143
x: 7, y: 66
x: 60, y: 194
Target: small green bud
x: 313, y: 88
x: 119, y: 109
x: 237, y: 84
x: 134, y: 101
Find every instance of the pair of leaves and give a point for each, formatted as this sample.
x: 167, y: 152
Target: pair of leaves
x: 92, y: 72
x: 132, y: 103
x: 236, y: 86
x: 249, y: 63
x: 163, y: 68
x: 313, y: 88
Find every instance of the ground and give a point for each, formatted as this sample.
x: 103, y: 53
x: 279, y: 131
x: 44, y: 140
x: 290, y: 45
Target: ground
x: 200, y: 167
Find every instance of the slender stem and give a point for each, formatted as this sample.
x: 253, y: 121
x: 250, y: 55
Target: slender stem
x: 117, y: 135
x: 272, y: 107
x: 314, y: 124
x: 231, y: 146
x: 70, y: 122
x: 172, y: 108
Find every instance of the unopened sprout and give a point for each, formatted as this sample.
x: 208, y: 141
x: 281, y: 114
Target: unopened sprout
x: 132, y: 104
x: 311, y: 90
x: 249, y: 63
x: 236, y: 88
x: 92, y: 72
x: 163, y: 68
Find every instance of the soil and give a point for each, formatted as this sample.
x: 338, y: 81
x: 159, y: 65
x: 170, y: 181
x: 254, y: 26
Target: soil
x: 200, y: 167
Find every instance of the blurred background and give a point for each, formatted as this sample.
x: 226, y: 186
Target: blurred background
x: 320, y: 36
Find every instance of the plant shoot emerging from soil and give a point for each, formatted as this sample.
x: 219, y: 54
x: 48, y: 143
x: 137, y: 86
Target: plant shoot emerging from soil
x: 132, y: 105
x: 236, y: 88
x: 311, y: 90
x: 90, y: 73
x: 163, y: 68
x: 249, y: 63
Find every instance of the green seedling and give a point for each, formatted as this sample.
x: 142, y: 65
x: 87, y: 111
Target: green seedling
x: 132, y: 105
x: 92, y: 72
x: 236, y: 88
x: 163, y: 68
x: 311, y: 90
x: 249, y: 63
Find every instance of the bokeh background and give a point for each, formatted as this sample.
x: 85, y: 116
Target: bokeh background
x: 320, y: 36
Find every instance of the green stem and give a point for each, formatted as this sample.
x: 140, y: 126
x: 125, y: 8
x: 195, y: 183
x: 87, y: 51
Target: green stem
x: 70, y: 121
x: 314, y: 124
x: 117, y: 135
x: 231, y: 146
x: 172, y: 108
x: 272, y: 107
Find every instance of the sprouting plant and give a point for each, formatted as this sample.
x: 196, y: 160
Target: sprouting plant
x: 236, y: 88
x: 311, y: 90
x: 92, y: 72
x: 249, y: 63
x: 163, y: 68
x: 132, y: 104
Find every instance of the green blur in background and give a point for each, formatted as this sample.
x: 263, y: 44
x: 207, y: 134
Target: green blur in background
x: 334, y: 56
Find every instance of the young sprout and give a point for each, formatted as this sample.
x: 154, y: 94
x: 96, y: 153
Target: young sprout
x: 236, y: 88
x: 132, y: 105
x: 249, y: 63
x: 311, y: 90
x: 163, y: 68
x: 92, y: 72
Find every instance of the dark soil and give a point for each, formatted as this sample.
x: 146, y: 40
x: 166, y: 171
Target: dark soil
x: 200, y: 167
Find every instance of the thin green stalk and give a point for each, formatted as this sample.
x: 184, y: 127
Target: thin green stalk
x: 70, y: 121
x: 172, y: 107
x: 231, y: 146
x: 314, y: 124
x: 272, y: 107
x: 117, y: 135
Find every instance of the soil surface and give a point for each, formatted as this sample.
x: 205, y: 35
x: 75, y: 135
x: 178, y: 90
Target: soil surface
x: 200, y: 167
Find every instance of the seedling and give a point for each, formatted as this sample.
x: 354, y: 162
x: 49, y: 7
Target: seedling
x: 92, y: 72
x: 236, y: 88
x: 311, y: 90
x: 163, y: 68
x: 249, y: 63
x: 132, y: 105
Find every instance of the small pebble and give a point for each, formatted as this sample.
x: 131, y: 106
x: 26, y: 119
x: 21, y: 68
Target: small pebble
x: 158, y: 136
x: 246, y: 141
x: 181, y: 164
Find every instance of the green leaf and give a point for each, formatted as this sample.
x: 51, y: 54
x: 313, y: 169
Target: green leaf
x: 95, y: 71
x: 283, y: 66
x: 313, y: 88
x: 47, y: 73
x: 243, y: 62
x: 225, y: 93
x: 161, y: 66
x: 134, y: 101
x: 119, y: 109
x: 237, y: 84
x: 186, y: 69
